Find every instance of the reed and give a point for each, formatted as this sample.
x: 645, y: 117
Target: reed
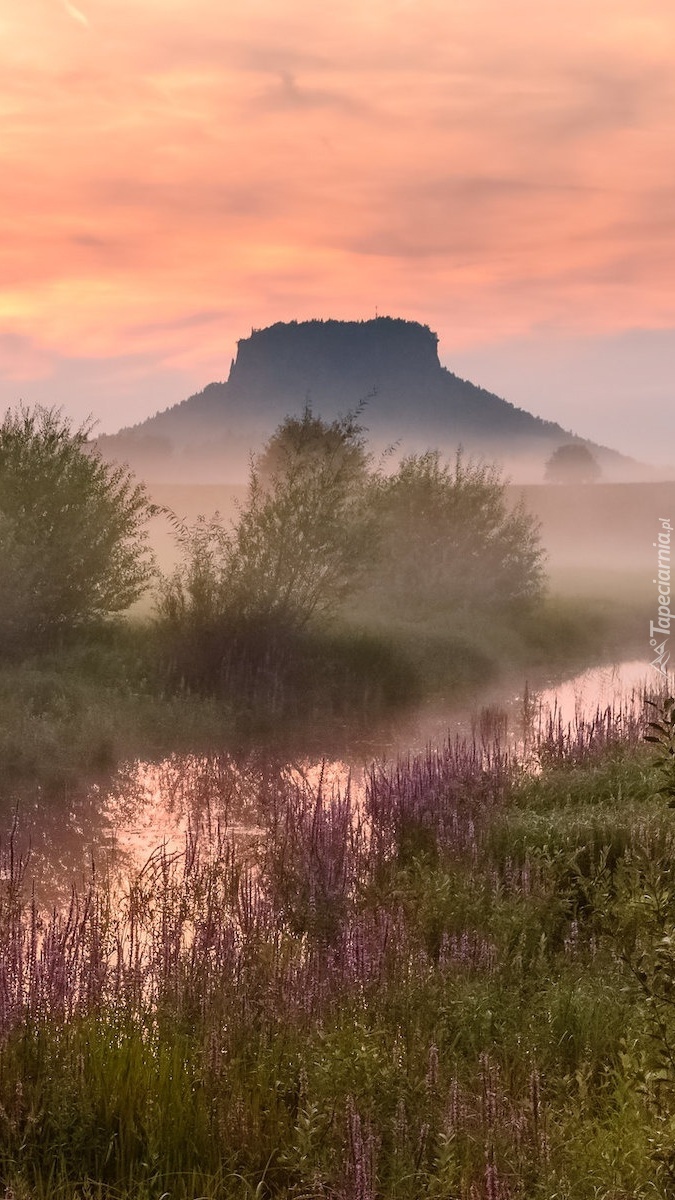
x: 415, y: 992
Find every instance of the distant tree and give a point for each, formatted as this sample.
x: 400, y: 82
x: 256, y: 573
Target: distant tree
x: 72, y: 531
x: 298, y: 545
x: 572, y: 463
x: 448, y: 538
x: 308, y: 444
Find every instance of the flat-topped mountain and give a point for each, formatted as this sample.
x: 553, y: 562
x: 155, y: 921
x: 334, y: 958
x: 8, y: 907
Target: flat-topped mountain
x: 390, y: 364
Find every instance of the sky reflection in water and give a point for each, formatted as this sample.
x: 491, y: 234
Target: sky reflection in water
x: 113, y: 825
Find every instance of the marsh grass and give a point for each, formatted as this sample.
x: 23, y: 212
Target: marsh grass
x: 426, y: 993
x: 90, y: 704
x: 125, y: 689
x: 94, y: 701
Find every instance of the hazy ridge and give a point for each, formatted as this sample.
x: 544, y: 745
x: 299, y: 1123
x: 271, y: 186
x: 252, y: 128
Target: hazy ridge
x: 388, y: 364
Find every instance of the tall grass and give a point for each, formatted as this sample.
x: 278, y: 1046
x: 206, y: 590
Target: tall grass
x: 125, y: 690
x: 428, y: 991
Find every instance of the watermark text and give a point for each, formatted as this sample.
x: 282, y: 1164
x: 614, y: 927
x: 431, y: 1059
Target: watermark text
x: 659, y: 630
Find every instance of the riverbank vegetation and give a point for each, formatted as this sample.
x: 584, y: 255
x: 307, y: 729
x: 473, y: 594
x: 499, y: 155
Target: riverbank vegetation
x: 83, y: 707
x: 73, y: 533
x: 339, y: 592
x: 323, y: 535
x: 456, y: 985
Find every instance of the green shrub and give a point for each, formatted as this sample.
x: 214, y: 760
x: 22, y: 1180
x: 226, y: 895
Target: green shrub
x: 72, y: 532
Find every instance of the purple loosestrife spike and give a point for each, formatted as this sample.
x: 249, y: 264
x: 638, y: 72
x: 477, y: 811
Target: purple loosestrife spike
x: 492, y: 1189
x: 571, y: 942
x: 489, y: 1097
x: 400, y: 1128
x: 454, y: 1113
x: 421, y: 1144
x: 360, y: 1165
x: 431, y: 1080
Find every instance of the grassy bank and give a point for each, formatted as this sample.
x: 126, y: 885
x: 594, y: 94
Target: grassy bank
x: 122, y: 692
x: 448, y: 989
x: 93, y: 703
x: 86, y: 706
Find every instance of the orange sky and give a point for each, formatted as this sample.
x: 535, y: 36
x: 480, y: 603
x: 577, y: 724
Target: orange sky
x: 175, y: 173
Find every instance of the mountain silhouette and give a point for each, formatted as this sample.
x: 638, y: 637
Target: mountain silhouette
x: 389, y: 365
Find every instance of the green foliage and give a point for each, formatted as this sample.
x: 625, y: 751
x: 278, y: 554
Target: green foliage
x: 72, y: 531
x: 663, y: 735
x: 298, y: 544
x: 448, y: 538
x: 465, y: 1030
x: 313, y: 445
x: 243, y: 598
x: 85, y: 706
x: 632, y: 903
x: 319, y: 534
x: 298, y: 547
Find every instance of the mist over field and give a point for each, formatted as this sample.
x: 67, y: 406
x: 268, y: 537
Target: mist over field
x: 387, y: 369
x: 597, y: 535
x: 326, y: 804
x: 594, y: 536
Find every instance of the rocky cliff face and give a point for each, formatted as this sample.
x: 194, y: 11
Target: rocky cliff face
x: 348, y: 357
x: 333, y: 366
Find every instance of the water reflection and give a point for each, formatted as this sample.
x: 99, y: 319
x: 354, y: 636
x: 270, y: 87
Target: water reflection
x: 599, y: 687
x: 115, y: 823
x: 58, y: 832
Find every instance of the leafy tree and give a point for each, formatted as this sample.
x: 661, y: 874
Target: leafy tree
x: 318, y: 529
x: 572, y: 463
x: 299, y: 544
x: 309, y: 443
x: 448, y: 538
x: 296, y: 550
x: 72, y: 536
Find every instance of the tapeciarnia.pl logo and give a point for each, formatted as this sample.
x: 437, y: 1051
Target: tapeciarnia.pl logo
x: 659, y: 630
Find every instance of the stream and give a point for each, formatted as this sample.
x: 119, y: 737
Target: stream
x: 116, y: 823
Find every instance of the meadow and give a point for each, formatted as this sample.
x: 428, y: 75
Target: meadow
x: 455, y: 983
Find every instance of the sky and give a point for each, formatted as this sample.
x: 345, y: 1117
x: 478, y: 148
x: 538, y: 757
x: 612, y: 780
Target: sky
x: 178, y: 172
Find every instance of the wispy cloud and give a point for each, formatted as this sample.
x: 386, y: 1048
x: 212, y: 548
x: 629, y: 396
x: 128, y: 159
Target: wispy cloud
x: 76, y: 13
x: 288, y: 94
x: 487, y: 168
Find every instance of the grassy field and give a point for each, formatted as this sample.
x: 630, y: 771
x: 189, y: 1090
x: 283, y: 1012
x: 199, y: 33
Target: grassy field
x: 456, y: 986
x: 598, y: 537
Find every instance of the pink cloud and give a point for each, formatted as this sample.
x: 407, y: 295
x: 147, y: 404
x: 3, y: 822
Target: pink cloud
x: 491, y: 170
